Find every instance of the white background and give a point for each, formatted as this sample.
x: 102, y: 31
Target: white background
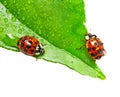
x: 23, y: 76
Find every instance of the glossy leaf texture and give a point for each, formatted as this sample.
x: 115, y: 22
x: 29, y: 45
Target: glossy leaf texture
x: 59, y: 24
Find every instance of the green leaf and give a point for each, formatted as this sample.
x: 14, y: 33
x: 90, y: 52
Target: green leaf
x: 59, y: 24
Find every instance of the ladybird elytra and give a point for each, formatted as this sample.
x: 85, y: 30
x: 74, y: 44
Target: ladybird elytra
x: 95, y: 46
x: 30, y: 46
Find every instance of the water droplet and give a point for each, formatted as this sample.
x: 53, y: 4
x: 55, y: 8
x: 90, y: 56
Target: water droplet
x: 40, y: 32
x: 19, y: 30
x: 7, y: 11
x: 7, y: 25
x: 6, y: 20
x: 13, y: 26
x: 10, y: 36
x: 13, y: 19
x: 67, y: 31
x: 24, y: 8
x: 18, y: 11
x: 1, y: 29
x: 29, y: 2
x: 41, y: 27
x: 23, y: 18
x: 13, y: 1
x: 36, y: 15
x: 53, y: 35
x: 45, y: 15
x: 59, y: 35
x: 5, y: 2
x: 70, y: 25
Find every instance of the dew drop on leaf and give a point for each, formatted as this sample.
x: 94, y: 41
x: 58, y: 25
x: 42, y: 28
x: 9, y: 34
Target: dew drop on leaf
x: 1, y: 29
x: 23, y: 18
x: 10, y: 36
x: 60, y: 19
x: 5, y: 3
x: 13, y: 1
x: 5, y: 19
x: 7, y: 11
x: 13, y: 19
x: 53, y: 35
x: 19, y: 30
x: 18, y: 12
x: 41, y: 27
x: 29, y: 2
x: 7, y: 25
x: 40, y: 32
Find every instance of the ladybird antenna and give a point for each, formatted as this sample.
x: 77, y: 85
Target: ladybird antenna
x: 80, y: 47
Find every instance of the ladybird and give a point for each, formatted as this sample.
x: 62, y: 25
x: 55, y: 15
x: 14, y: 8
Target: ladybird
x: 95, y: 46
x: 30, y: 46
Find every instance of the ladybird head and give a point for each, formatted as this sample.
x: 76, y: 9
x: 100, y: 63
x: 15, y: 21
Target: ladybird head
x: 89, y: 36
x: 39, y: 50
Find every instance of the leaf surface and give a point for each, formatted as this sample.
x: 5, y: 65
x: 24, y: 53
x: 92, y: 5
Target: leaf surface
x: 59, y: 24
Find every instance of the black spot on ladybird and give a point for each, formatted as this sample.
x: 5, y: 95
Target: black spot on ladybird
x: 98, y: 57
x: 28, y: 46
x: 23, y: 40
x: 89, y: 49
x: 22, y: 44
x: 34, y: 47
x: 35, y: 42
x: 99, y: 51
x: 93, y: 48
x: 18, y: 43
x: 25, y: 51
x: 32, y: 51
x: 30, y: 42
x: 92, y: 54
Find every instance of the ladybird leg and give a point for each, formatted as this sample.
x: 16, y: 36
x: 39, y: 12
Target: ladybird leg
x: 43, y: 44
x: 80, y: 47
x: 15, y: 47
x: 37, y: 57
x: 94, y: 60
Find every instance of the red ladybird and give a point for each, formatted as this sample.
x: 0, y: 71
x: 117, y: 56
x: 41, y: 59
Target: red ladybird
x: 30, y: 46
x: 95, y: 46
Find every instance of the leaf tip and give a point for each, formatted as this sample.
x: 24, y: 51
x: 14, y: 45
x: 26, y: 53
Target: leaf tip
x: 102, y: 77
